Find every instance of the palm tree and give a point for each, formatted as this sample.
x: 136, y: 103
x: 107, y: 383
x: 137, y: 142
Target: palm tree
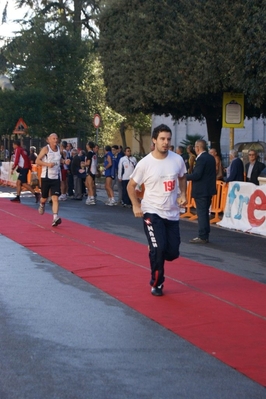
x: 191, y: 139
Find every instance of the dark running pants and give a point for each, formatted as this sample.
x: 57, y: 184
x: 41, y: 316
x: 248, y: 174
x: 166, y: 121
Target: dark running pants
x: 164, y: 240
x: 125, y: 197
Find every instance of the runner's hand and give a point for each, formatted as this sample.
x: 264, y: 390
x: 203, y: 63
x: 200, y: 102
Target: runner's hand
x: 137, y: 211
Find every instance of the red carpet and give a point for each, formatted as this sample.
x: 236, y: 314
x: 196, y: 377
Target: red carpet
x: 223, y: 314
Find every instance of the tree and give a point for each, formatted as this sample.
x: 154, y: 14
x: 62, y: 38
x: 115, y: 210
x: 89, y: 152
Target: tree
x: 80, y: 13
x: 51, y: 56
x: 141, y: 126
x: 53, y: 63
x: 178, y: 57
x: 27, y: 105
x: 191, y: 139
x: 112, y: 121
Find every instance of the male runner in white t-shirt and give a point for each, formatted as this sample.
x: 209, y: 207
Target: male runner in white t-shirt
x: 163, y: 174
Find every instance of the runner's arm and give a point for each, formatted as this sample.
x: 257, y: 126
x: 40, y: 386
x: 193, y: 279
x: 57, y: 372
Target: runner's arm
x: 136, y: 206
x: 183, y: 189
x: 39, y: 158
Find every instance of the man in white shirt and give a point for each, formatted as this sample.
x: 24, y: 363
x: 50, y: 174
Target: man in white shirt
x: 50, y: 159
x: 163, y: 174
x: 126, y: 167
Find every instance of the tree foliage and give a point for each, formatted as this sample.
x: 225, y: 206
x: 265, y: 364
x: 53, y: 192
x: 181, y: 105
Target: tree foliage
x: 80, y: 13
x: 63, y: 77
x: 180, y: 56
x: 27, y: 104
x: 52, y: 60
x: 96, y: 94
x: 53, y: 64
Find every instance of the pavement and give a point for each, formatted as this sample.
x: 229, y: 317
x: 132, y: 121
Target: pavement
x: 99, y: 348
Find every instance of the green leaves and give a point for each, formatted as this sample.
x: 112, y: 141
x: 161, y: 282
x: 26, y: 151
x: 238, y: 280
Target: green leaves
x: 179, y: 57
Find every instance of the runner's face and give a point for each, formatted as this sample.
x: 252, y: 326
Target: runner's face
x: 53, y: 140
x: 163, y: 141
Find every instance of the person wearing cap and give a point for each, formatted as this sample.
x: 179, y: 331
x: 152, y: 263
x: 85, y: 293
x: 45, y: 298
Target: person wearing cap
x: 22, y: 164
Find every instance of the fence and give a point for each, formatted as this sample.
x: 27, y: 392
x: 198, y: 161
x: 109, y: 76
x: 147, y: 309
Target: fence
x: 217, y: 205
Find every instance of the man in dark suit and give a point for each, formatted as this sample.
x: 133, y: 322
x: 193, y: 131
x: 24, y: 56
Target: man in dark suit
x: 253, y: 168
x: 203, y: 188
x: 235, y: 171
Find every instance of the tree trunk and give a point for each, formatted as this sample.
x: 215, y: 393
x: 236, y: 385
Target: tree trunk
x: 122, y: 130
x: 77, y: 17
x: 214, y: 127
x: 141, y: 147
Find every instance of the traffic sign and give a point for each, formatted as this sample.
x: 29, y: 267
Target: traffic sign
x: 96, y: 121
x: 20, y: 127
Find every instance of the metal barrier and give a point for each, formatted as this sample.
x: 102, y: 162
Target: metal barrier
x: 219, y: 201
x: 217, y: 205
x: 9, y: 179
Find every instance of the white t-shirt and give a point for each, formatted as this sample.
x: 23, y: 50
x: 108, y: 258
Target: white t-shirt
x: 160, y: 178
x: 126, y: 166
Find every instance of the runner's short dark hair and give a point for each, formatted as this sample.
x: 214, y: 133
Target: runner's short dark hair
x: 159, y: 129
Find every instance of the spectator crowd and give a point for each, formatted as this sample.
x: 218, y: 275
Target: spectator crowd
x: 77, y: 176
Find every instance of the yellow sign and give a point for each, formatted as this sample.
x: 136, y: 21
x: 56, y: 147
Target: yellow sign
x: 233, y: 110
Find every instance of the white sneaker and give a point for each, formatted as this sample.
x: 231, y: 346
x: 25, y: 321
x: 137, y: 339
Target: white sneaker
x: 62, y: 197
x: 112, y: 202
x: 90, y: 201
x: 108, y: 201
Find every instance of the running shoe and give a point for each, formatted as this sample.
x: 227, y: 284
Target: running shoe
x: 62, y: 197
x: 157, y: 291
x: 41, y: 209
x: 112, y: 203
x: 90, y: 201
x: 199, y: 240
x: 16, y: 199
x: 56, y: 222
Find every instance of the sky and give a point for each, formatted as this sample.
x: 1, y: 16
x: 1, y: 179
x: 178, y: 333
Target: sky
x: 7, y: 28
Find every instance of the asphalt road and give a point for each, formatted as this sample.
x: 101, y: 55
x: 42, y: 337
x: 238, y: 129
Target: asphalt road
x: 61, y: 338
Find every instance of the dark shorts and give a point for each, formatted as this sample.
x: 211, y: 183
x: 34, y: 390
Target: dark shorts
x: 23, y: 175
x: 91, y: 175
x: 50, y: 186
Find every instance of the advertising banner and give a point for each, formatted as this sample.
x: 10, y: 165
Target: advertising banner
x: 6, y: 177
x: 245, y: 208
x: 73, y: 141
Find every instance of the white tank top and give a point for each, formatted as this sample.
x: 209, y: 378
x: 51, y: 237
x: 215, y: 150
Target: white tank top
x: 55, y: 157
